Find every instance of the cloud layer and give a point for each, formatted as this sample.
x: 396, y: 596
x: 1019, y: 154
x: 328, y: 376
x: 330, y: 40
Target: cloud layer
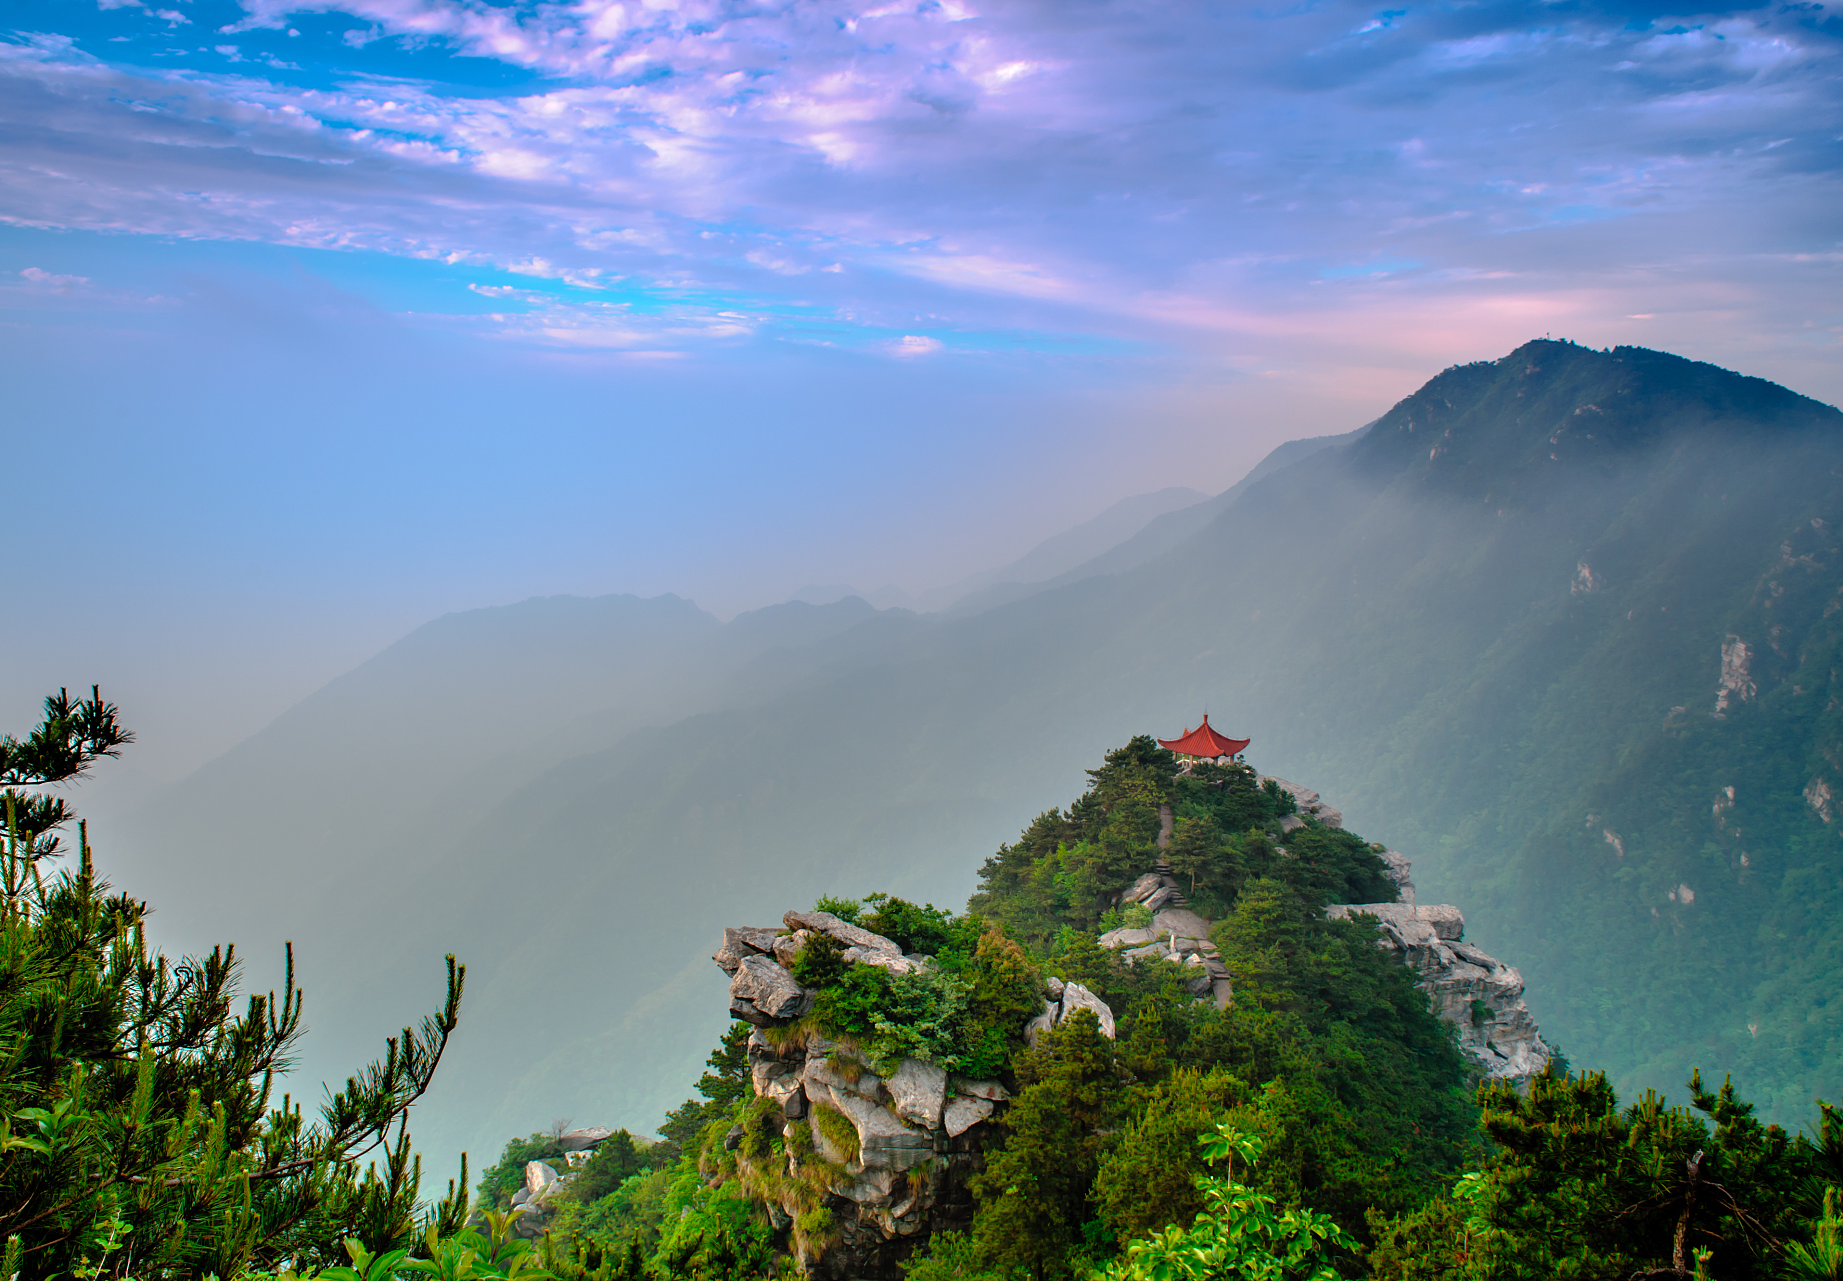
x: 924, y: 175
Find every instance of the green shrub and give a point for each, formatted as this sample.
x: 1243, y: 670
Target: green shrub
x: 925, y: 929
x: 837, y: 1128
x: 845, y: 909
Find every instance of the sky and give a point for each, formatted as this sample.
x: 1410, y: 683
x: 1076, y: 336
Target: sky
x: 322, y: 319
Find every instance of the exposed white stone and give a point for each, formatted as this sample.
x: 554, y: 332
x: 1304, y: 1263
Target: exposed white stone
x: 1076, y: 997
x: 1043, y: 1022
x: 584, y: 1139
x: 1143, y: 888
x: 884, y: 1141
x: 538, y: 1176
x: 1471, y: 989
x: 990, y: 1090
x: 963, y: 1113
x: 744, y: 940
x: 767, y: 987
x: 918, y: 1091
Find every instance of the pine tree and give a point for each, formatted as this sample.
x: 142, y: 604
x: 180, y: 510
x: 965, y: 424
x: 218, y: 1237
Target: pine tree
x: 1033, y: 1193
x: 725, y: 1083
x: 137, y: 1128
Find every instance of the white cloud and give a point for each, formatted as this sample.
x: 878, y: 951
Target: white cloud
x: 43, y: 279
x: 910, y: 345
x: 1119, y: 169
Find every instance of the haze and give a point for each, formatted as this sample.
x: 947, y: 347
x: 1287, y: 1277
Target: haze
x: 324, y: 319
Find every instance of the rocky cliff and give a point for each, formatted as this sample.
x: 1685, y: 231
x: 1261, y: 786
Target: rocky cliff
x: 863, y: 1165
x: 869, y: 1165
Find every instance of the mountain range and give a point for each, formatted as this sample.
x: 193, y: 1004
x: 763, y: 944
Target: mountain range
x: 1563, y: 627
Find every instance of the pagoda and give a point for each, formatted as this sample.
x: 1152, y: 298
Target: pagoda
x: 1204, y: 742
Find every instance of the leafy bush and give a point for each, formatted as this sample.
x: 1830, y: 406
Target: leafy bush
x: 617, y: 1159
x: 1240, y: 1233
x: 845, y: 909
x: 925, y: 929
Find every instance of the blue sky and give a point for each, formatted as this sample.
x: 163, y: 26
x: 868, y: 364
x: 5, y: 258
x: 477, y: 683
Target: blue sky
x: 324, y: 318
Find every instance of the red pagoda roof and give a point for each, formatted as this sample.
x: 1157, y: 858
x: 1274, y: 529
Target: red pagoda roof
x: 1204, y: 741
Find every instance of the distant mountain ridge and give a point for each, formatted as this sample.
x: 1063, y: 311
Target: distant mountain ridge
x: 1056, y: 555
x: 1498, y: 649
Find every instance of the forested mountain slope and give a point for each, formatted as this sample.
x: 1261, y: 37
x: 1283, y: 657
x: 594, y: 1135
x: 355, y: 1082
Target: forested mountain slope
x: 1469, y: 627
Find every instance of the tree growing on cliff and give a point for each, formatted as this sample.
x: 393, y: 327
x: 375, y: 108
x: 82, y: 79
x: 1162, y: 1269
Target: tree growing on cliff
x: 725, y: 1083
x: 1033, y: 1193
x: 137, y: 1126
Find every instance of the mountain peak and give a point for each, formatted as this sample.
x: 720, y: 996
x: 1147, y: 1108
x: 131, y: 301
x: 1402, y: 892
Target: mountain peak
x: 1552, y: 408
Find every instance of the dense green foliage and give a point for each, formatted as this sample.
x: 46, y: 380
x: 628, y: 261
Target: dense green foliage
x: 1240, y: 1232
x: 138, y: 1132
x: 1328, y: 1066
x: 966, y: 1011
x: 1575, y: 1187
x: 1329, y: 1054
x: 1069, y: 866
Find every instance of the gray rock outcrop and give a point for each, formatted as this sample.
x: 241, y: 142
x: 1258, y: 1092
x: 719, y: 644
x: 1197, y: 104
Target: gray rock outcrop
x: 886, y: 1158
x: 1478, y: 994
x: 1308, y: 802
x: 1474, y: 991
x: 1180, y: 935
x: 1064, y: 999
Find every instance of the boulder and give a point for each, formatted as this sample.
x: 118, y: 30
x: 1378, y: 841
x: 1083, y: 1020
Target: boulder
x: 963, y: 1113
x: 1043, y: 1022
x: 767, y: 988
x: 866, y: 1187
x: 845, y: 932
x: 1076, y: 997
x: 774, y: 1079
x: 918, y: 1091
x: 893, y: 961
x: 1053, y: 986
x: 743, y: 940
x: 830, y: 1065
x: 746, y: 1011
x: 1143, y: 888
x: 1470, y: 989
x: 1399, y: 869
x: 1222, y: 992
x: 1182, y: 923
x: 1124, y: 937
x: 884, y: 1141
x: 788, y: 946
x: 1159, y: 897
x: 1154, y: 951
x: 1290, y: 823
x: 990, y: 1090
x: 538, y: 1176
x: 584, y: 1139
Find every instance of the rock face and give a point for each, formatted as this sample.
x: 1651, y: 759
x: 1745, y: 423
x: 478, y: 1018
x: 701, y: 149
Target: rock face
x: 1176, y: 934
x: 1308, y: 804
x: 1474, y: 991
x: 868, y: 1166
x: 1478, y: 994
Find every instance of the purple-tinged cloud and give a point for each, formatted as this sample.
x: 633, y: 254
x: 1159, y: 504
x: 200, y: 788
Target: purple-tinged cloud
x: 1166, y: 173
